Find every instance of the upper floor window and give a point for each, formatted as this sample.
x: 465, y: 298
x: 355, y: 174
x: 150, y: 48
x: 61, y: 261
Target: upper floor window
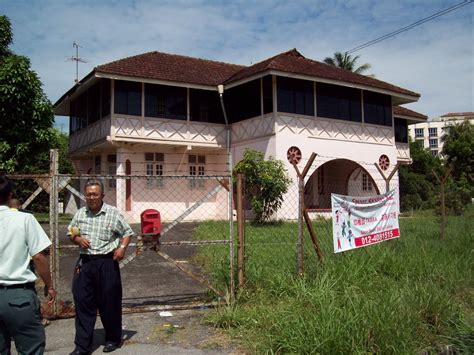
x: 377, y: 108
x: 334, y: 101
x: 112, y: 170
x: 433, y: 143
x: 128, y: 98
x: 90, y: 106
x: 154, y: 169
x: 197, y: 167
x: 205, y: 106
x: 433, y: 132
x: 165, y: 101
x: 419, y: 133
x: 243, y: 101
x: 401, y: 130
x: 267, y: 94
x: 295, y: 96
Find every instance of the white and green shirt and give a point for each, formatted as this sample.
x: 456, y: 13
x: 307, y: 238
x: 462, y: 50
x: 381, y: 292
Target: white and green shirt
x: 103, y: 229
x: 21, y: 237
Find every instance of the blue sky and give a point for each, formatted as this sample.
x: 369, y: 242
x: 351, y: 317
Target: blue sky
x: 435, y: 59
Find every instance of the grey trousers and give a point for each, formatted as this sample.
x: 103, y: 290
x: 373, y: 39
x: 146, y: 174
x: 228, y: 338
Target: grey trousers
x: 20, y: 320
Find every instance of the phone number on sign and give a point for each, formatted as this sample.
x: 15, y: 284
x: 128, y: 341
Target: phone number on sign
x: 377, y: 237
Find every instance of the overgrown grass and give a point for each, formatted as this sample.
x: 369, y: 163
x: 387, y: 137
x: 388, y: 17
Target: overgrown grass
x: 63, y: 218
x: 408, y: 295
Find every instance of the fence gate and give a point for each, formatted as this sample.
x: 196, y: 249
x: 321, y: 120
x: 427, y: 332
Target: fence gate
x: 158, y: 273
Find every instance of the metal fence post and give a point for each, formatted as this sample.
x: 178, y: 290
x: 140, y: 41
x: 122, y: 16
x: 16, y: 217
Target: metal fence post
x: 53, y: 223
x: 240, y: 233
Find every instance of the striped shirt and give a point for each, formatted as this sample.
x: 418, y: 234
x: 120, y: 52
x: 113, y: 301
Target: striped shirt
x: 103, y: 229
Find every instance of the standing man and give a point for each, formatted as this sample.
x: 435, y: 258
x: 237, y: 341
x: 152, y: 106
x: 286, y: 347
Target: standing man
x: 21, y: 238
x: 103, y: 236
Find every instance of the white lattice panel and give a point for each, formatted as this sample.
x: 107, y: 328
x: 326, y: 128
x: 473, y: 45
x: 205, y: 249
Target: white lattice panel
x: 128, y: 126
x: 252, y: 128
x: 93, y: 133
x: 206, y: 133
x: 379, y: 134
x: 403, y: 151
x: 295, y: 124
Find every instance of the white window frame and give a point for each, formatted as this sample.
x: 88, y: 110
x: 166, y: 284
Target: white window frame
x: 197, y: 167
x: 433, y: 132
x: 419, y: 133
x: 154, y: 166
x: 366, y: 182
x: 111, y: 170
x: 433, y: 143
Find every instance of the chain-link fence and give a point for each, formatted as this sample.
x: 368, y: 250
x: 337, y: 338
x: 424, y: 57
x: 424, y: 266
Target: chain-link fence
x: 191, y: 262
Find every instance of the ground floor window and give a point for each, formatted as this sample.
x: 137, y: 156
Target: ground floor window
x: 112, y: 170
x: 366, y: 183
x: 197, y: 167
x: 154, y: 169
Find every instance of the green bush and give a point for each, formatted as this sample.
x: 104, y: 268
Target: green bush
x: 266, y: 182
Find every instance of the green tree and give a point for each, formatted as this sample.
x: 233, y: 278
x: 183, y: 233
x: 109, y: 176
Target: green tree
x: 26, y: 115
x: 347, y: 62
x: 458, y: 152
x: 266, y: 182
x: 417, y: 183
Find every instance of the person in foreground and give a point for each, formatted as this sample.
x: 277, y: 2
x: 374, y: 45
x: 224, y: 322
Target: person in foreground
x: 21, y: 238
x: 103, y: 235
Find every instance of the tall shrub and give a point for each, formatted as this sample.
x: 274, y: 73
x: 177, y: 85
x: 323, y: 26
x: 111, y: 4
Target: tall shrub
x: 266, y: 181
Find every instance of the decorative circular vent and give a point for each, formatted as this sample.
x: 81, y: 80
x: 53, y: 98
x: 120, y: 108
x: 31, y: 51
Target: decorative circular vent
x: 294, y: 155
x: 384, y: 162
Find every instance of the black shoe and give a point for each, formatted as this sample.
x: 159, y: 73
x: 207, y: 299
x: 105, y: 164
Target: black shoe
x: 78, y: 352
x: 109, y: 347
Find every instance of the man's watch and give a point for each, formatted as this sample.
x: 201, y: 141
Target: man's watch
x: 122, y: 246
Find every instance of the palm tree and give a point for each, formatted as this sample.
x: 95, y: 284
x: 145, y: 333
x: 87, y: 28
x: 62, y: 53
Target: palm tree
x: 347, y: 62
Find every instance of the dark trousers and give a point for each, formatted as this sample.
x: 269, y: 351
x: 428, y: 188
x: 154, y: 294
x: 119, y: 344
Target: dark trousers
x: 20, y: 319
x: 97, y: 286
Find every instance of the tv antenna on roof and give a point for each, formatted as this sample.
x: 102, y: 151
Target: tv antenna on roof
x: 75, y: 58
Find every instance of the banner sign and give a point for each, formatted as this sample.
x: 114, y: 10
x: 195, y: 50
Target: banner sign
x: 361, y: 221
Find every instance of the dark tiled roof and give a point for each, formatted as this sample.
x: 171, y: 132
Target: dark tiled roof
x: 177, y: 68
x: 456, y: 114
x: 403, y: 111
x: 293, y: 62
x: 171, y: 67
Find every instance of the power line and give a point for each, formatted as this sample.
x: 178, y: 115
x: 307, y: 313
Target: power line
x: 406, y: 28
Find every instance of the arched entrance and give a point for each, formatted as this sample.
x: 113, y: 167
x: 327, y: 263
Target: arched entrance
x: 339, y: 176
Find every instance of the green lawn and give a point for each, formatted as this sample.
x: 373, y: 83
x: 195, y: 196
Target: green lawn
x: 408, y: 295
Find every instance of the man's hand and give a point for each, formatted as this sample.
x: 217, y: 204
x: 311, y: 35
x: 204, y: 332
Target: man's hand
x: 50, y: 293
x: 119, y: 253
x: 82, y: 242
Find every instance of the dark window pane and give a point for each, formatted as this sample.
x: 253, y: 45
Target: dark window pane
x: 243, y: 101
x: 128, y: 98
x: 295, y: 96
x: 205, y: 106
x: 401, y: 130
x: 93, y: 103
x: 165, y: 101
x: 339, y: 102
x: 377, y: 108
x: 149, y: 156
x: 105, y: 96
x: 267, y: 94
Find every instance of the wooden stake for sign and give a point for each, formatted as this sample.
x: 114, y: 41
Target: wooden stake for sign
x: 312, y: 233
x: 303, y: 214
x: 387, y: 179
x: 442, y: 183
